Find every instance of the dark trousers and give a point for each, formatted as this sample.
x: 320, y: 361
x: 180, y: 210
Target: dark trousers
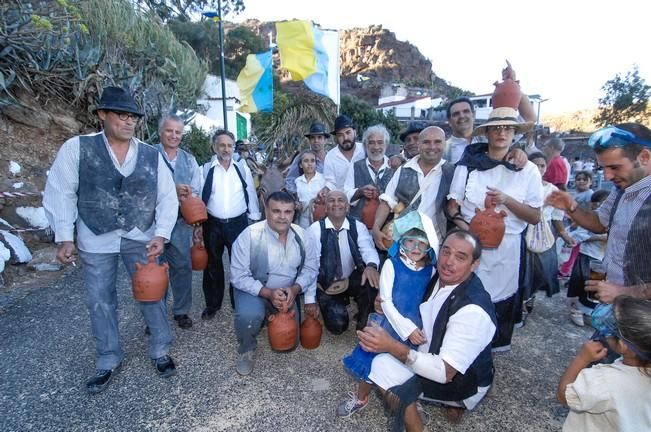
x: 333, y: 307
x: 505, y: 312
x: 218, y: 233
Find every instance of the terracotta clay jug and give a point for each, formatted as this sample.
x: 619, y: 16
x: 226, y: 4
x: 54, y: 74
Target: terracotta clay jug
x: 318, y: 209
x: 282, y: 331
x: 506, y: 94
x: 193, y: 210
x: 369, y: 210
x: 199, y: 257
x: 488, y: 225
x: 149, y: 281
x: 311, y: 331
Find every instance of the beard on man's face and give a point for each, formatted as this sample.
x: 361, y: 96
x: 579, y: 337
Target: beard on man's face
x: 347, y: 144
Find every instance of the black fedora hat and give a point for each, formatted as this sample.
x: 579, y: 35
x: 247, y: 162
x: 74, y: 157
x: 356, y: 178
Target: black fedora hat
x: 317, y: 128
x: 118, y: 99
x: 342, y: 122
x: 414, y: 127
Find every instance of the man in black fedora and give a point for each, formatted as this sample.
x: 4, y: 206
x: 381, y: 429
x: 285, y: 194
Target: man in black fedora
x: 317, y: 137
x: 341, y: 158
x: 119, y: 196
x: 409, y: 138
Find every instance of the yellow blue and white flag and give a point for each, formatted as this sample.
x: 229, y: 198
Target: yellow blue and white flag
x: 310, y: 54
x: 255, y: 82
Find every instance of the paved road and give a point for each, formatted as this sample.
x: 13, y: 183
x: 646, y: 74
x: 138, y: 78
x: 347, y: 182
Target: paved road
x: 46, y: 354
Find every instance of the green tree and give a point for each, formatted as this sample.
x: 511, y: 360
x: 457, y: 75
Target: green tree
x: 183, y: 9
x: 238, y: 43
x: 626, y: 99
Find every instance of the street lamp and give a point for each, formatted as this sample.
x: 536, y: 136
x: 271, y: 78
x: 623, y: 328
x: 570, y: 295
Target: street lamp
x: 217, y: 16
x: 538, y: 115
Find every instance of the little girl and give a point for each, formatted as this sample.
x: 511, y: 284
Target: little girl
x: 308, y: 185
x: 612, y: 397
x: 582, y: 195
x: 403, y: 282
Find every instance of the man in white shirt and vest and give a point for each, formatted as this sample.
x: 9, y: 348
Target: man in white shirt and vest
x: 339, y: 159
x: 119, y: 196
x: 187, y: 177
x: 229, y: 195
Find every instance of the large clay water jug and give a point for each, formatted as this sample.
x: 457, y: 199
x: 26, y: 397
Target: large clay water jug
x: 150, y: 281
x: 311, y: 331
x: 282, y: 331
x: 506, y: 94
x: 199, y: 257
x: 369, y: 210
x: 488, y: 225
x: 193, y: 210
x: 317, y: 209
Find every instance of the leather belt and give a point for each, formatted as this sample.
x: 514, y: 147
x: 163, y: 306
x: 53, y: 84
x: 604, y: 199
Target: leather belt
x: 211, y: 218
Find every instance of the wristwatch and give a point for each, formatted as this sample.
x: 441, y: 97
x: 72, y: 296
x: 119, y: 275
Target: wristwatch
x: 411, y: 358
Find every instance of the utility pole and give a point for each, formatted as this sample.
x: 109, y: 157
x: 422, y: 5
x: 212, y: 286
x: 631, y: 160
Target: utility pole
x: 217, y: 16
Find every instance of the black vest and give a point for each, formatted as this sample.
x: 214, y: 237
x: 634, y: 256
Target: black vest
x: 107, y: 200
x: 480, y: 373
x: 328, y: 266
x: 363, y: 178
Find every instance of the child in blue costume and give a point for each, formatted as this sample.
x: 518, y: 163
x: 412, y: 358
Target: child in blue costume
x: 403, y: 282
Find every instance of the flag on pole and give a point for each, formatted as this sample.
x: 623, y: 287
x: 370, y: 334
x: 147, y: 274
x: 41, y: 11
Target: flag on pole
x: 310, y: 54
x: 255, y: 82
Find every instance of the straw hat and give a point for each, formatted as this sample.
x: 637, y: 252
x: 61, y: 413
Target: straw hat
x: 503, y: 117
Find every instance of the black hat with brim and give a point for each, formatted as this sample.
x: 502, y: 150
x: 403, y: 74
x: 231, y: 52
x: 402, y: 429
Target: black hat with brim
x: 342, y: 122
x: 317, y: 129
x: 118, y: 99
x: 414, y: 127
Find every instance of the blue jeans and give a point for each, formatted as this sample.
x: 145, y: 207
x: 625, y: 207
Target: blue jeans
x: 180, y: 278
x: 100, y: 276
x: 250, y: 313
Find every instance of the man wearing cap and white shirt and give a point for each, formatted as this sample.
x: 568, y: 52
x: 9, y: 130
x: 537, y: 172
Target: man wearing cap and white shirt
x: 341, y: 158
x: 420, y: 184
x: 120, y: 196
x: 317, y: 137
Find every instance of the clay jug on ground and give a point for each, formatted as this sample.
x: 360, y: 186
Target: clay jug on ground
x: 149, y: 281
x: 193, y: 210
x: 318, y: 209
x: 488, y: 225
x: 369, y: 210
x: 199, y: 257
x: 311, y: 331
x: 282, y: 331
x: 506, y: 94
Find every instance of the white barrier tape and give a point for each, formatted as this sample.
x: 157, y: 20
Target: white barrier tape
x: 19, y: 194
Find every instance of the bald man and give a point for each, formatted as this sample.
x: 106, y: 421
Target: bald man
x: 420, y: 184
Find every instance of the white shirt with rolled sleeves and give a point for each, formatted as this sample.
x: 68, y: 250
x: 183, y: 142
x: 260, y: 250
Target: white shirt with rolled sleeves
x: 227, y: 198
x: 468, y: 332
x: 60, y: 200
x: 336, y: 165
x: 284, y: 259
x: 349, y: 184
x: 432, y: 182
x: 364, y: 243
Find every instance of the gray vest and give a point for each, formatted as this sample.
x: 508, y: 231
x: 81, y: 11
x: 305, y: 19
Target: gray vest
x: 408, y: 187
x: 107, y: 200
x: 363, y: 178
x: 259, y: 253
x: 182, y: 174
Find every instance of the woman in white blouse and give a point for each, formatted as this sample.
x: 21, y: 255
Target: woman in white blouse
x: 308, y: 185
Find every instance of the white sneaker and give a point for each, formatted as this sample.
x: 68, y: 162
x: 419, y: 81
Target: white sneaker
x: 351, y: 406
x: 576, y: 316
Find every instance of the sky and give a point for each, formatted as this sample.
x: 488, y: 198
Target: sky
x: 563, y: 50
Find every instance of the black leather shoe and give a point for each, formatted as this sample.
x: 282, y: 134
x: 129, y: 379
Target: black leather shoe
x: 183, y: 321
x: 165, y: 366
x: 101, y: 380
x: 208, y: 313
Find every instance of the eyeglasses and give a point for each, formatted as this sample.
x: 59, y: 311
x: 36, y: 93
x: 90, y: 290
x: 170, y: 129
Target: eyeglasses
x: 612, y: 136
x: 124, y: 116
x: 412, y: 244
x: 500, y: 128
